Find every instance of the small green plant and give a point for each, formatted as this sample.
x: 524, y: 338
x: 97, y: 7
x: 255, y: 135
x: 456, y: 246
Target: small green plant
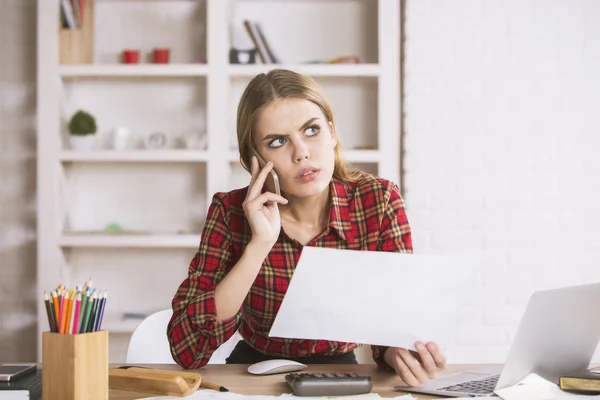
x: 82, y: 123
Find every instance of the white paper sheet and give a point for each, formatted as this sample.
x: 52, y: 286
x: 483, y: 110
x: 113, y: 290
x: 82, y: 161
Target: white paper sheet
x: 204, y: 394
x: 534, y: 387
x: 380, y: 298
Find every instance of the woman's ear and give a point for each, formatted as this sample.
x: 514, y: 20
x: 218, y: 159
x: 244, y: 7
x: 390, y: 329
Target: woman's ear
x: 333, y: 134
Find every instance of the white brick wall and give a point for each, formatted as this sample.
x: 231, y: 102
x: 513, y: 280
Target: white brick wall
x: 17, y: 180
x: 501, y: 102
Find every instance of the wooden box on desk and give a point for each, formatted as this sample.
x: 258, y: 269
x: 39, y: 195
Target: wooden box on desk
x: 75, y: 367
x: 76, y: 46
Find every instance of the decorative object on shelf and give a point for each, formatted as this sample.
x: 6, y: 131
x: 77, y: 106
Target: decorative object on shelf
x: 76, y: 33
x: 82, y: 130
x: 120, y: 138
x: 156, y: 140
x: 131, y: 56
x: 114, y: 228
x: 344, y: 60
x: 338, y: 60
x: 195, y: 140
x: 242, y: 56
x: 160, y: 55
x: 243, y: 50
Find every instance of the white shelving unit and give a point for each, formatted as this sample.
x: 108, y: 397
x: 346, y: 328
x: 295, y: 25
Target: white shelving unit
x: 161, y: 197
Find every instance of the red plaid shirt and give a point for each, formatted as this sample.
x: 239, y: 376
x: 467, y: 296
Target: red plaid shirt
x: 365, y: 215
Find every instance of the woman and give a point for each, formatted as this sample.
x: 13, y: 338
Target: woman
x: 253, y: 237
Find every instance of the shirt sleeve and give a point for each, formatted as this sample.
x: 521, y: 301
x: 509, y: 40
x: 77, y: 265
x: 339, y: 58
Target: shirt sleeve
x: 194, y: 332
x: 395, y: 236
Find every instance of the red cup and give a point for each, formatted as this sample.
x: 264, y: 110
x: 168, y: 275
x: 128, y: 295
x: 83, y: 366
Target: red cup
x: 131, y: 56
x: 161, y: 55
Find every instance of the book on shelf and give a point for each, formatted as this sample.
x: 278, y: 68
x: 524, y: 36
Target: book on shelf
x: 71, y: 13
x: 264, y: 50
x: 584, y: 382
x: 28, y: 387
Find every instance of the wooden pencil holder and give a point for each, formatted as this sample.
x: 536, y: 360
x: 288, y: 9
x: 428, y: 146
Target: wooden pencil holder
x: 76, y: 46
x: 75, y: 367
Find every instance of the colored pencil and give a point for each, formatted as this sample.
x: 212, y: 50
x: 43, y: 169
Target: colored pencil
x: 56, y: 308
x: 75, y: 328
x: 48, y: 310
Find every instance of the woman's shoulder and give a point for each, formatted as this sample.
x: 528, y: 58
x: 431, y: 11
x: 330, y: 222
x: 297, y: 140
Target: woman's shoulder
x: 231, y: 201
x: 366, y: 184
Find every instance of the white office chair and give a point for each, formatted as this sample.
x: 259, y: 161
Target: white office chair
x: 149, y: 344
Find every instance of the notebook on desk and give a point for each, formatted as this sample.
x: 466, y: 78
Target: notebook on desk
x: 29, y: 387
x: 558, y: 334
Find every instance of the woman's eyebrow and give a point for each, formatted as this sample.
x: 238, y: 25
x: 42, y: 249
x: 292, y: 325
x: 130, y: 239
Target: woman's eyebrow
x: 279, y: 135
x: 307, y: 123
x: 274, y: 136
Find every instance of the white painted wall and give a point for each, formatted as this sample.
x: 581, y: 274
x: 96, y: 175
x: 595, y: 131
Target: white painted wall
x: 501, y: 149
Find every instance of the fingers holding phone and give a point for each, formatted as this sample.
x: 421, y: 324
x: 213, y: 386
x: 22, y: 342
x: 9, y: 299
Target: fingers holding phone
x: 272, y: 181
x: 261, y: 208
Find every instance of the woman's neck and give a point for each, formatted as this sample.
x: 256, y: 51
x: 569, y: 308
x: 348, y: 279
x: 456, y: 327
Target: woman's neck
x: 311, y: 211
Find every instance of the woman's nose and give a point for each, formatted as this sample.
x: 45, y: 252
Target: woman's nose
x: 301, y: 153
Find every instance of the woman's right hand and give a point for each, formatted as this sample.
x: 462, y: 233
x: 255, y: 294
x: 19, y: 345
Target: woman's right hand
x: 261, y: 209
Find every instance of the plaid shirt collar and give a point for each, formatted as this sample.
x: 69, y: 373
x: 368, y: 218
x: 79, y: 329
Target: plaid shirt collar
x: 339, y: 214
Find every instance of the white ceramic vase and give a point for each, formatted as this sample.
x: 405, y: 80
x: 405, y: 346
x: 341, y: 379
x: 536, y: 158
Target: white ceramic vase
x: 120, y: 138
x: 82, y: 143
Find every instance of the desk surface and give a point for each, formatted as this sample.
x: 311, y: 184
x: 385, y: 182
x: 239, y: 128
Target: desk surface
x: 238, y: 380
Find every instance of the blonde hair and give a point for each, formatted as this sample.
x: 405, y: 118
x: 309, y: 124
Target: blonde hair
x: 282, y: 84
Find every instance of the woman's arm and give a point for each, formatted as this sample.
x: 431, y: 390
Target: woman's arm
x: 207, y: 306
x: 234, y: 288
x: 195, y: 331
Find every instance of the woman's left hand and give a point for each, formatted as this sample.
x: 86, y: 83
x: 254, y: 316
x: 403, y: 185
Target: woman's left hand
x: 416, y: 367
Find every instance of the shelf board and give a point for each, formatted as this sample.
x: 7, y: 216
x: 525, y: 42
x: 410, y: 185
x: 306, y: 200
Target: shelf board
x: 324, y: 70
x: 134, y: 156
x: 134, y: 240
x: 366, y: 156
x: 117, y: 70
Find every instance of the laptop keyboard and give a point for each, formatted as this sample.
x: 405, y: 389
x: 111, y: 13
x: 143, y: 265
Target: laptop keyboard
x: 480, y: 386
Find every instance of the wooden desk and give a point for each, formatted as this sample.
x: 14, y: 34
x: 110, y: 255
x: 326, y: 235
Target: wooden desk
x: 238, y: 380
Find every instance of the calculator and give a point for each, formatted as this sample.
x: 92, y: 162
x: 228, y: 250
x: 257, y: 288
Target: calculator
x: 328, y: 384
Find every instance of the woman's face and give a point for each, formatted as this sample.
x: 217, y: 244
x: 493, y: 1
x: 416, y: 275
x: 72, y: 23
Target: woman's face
x: 296, y: 136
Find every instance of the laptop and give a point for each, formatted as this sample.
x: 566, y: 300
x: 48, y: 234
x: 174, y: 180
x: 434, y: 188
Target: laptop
x: 558, y: 334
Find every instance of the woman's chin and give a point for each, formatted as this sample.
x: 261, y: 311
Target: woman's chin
x: 308, y: 190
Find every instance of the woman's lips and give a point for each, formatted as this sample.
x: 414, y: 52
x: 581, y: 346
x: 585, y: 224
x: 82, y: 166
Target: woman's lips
x: 308, y: 174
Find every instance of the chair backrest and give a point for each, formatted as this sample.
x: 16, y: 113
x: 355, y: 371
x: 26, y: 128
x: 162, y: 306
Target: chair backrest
x: 149, y: 343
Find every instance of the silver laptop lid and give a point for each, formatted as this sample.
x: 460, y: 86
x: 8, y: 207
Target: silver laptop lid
x: 558, y: 334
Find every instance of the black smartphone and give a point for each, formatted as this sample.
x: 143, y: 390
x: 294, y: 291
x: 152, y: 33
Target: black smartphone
x: 271, y: 184
x: 11, y: 372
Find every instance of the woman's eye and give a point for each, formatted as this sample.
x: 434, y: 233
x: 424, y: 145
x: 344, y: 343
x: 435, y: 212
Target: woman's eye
x: 312, y: 130
x: 277, y: 142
